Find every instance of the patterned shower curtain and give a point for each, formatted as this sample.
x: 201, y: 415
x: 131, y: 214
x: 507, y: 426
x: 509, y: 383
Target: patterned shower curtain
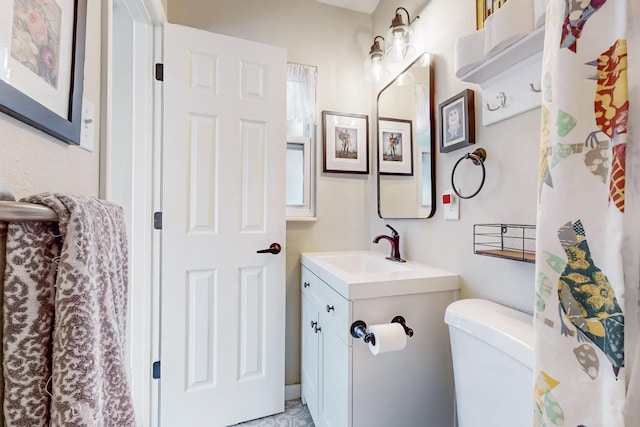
x: 588, y: 245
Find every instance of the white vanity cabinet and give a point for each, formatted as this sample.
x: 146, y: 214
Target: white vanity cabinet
x: 326, y: 353
x: 342, y: 382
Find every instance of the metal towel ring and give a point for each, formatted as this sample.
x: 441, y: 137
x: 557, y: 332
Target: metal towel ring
x: 477, y: 157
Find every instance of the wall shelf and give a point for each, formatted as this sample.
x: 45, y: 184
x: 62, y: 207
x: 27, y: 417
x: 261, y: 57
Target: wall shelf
x: 511, y: 241
x: 522, y: 49
x: 509, y: 77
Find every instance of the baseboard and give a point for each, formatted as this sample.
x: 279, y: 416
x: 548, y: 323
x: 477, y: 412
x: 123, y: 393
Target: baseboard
x: 292, y: 391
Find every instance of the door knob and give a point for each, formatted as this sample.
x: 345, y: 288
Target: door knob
x: 274, y: 249
x: 329, y: 308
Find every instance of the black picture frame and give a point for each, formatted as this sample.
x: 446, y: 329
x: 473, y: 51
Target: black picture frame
x: 457, y: 123
x: 351, y: 155
x: 402, y: 130
x: 16, y: 104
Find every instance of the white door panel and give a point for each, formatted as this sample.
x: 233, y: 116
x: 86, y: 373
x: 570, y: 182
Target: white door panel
x: 223, y: 304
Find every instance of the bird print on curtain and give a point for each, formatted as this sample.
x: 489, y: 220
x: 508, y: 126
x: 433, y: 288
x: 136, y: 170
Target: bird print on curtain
x: 612, y: 112
x: 577, y: 13
x: 588, y: 300
x: 546, y: 405
x: 594, y: 148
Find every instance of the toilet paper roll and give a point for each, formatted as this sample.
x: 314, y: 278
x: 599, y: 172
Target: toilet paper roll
x: 389, y: 337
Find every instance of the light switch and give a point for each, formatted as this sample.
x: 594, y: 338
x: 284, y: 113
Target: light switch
x: 451, y: 205
x: 88, y: 125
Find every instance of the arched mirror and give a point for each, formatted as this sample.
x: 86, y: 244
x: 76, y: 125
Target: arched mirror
x: 406, y: 144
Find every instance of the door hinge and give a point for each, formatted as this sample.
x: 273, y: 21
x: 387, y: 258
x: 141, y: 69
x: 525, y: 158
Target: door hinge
x: 157, y: 220
x: 156, y: 370
x: 160, y: 72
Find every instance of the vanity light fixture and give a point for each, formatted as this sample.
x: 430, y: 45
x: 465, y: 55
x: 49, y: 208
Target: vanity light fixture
x: 399, y: 37
x: 375, y: 68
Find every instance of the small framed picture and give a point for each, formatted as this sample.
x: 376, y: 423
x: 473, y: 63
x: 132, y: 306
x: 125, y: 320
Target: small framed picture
x: 42, y: 74
x: 395, y: 148
x: 345, y: 142
x: 457, y: 124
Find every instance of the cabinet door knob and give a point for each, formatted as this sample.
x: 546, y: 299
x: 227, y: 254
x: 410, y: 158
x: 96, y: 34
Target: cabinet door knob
x: 317, y: 329
x: 329, y: 308
x: 313, y: 324
x: 306, y: 284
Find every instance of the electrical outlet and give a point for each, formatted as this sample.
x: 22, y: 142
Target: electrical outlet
x: 451, y: 205
x: 88, y: 125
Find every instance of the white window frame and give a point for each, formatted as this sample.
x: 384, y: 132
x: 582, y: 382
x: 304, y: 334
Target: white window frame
x: 302, y: 116
x: 306, y: 210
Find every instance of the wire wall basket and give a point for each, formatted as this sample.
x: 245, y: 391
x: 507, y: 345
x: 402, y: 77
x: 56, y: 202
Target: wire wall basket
x: 510, y: 241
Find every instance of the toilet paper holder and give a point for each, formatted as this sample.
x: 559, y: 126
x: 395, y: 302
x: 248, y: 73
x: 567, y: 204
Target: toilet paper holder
x: 359, y: 329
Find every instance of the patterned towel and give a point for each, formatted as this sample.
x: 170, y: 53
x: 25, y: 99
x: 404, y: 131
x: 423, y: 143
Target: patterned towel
x: 64, y: 317
x: 3, y: 257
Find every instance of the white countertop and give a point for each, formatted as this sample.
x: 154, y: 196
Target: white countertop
x: 367, y: 274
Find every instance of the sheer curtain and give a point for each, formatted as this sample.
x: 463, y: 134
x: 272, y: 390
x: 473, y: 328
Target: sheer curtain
x: 301, y: 98
x: 422, y: 107
x: 423, y: 114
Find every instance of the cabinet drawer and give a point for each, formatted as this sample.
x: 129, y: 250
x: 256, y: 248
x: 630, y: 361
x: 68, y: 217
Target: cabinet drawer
x: 334, y: 309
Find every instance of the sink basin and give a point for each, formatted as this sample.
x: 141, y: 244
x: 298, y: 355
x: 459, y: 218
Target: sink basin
x: 363, y: 263
x: 368, y: 274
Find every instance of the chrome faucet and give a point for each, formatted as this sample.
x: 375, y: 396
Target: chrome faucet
x: 394, y: 239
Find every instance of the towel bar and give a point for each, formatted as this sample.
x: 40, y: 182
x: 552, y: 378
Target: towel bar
x: 10, y: 210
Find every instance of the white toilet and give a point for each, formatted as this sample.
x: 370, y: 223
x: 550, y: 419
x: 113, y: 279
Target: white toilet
x: 492, y: 351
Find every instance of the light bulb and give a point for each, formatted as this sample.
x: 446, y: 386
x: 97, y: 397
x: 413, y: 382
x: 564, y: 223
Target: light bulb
x: 374, y: 66
x: 376, y: 69
x: 397, y: 50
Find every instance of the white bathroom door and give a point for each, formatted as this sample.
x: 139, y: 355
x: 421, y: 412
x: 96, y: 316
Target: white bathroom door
x: 222, y: 303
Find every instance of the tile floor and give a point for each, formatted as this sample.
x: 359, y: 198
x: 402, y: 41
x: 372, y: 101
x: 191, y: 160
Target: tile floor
x: 295, y: 415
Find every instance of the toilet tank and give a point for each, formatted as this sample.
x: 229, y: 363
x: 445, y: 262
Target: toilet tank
x: 492, y: 352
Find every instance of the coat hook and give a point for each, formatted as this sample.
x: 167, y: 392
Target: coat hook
x: 532, y: 88
x: 502, y: 102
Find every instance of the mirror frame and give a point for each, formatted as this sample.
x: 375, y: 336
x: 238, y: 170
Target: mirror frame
x: 432, y: 134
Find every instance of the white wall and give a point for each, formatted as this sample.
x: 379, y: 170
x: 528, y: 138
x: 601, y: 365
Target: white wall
x: 336, y: 41
x: 33, y: 162
x: 509, y: 193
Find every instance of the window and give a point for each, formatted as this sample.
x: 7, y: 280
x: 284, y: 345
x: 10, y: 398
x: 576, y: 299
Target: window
x: 301, y: 136
x: 298, y: 179
x: 423, y: 133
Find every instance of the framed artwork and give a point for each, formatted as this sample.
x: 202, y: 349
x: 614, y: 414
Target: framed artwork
x: 457, y: 123
x: 345, y: 142
x: 42, y: 71
x: 481, y: 13
x: 395, y: 148
x: 485, y: 8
